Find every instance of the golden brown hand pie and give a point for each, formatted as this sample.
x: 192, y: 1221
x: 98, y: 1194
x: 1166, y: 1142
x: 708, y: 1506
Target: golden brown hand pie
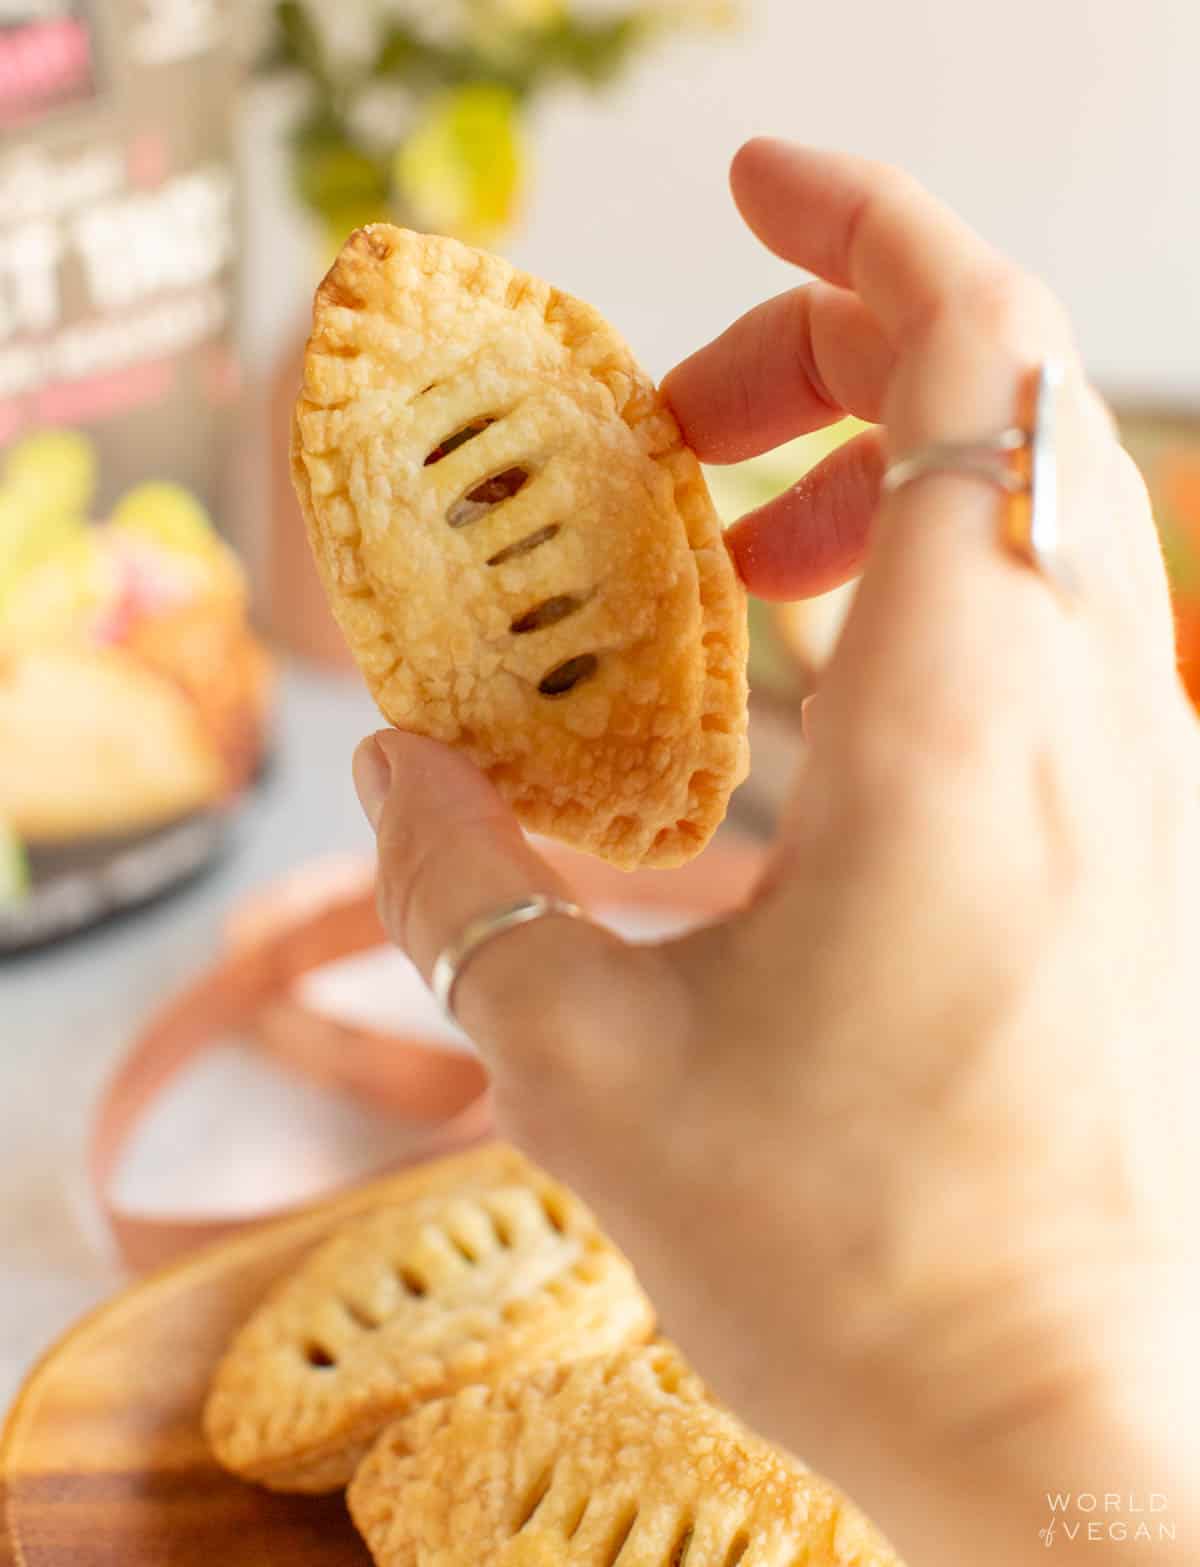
x: 489, y: 1270
x: 93, y: 743
x: 520, y: 550
x: 614, y: 1463
x: 213, y: 658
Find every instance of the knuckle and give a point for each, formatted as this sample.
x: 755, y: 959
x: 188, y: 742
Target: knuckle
x: 1008, y: 305
x: 397, y: 842
x: 585, y: 1039
x: 1042, y: 302
x: 912, y: 772
x: 797, y: 334
x: 889, y: 181
x: 398, y: 852
x: 411, y: 860
x: 885, y: 190
x: 994, y: 301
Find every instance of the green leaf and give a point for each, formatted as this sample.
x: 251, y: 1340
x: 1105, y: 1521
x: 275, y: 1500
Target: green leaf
x: 403, y: 52
x: 298, y: 41
x: 407, y: 57
x: 274, y: 57
x: 335, y: 178
x: 595, y: 49
x: 14, y: 868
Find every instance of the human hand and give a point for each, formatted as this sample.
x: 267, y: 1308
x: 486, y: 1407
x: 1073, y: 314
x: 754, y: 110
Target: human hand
x: 903, y: 1151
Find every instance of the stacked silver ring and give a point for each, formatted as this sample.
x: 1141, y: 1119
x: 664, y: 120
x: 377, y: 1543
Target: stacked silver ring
x: 1038, y: 539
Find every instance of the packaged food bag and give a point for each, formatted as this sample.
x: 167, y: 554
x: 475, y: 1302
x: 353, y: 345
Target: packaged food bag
x: 132, y: 693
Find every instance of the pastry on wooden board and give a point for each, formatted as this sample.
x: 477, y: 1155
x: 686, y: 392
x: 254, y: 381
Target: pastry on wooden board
x: 622, y: 1460
x: 485, y: 1272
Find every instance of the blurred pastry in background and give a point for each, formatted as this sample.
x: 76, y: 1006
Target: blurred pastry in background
x: 132, y: 690
x: 95, y: 744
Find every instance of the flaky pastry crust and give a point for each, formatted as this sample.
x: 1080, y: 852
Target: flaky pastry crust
x: 485, y: 1272
x: 519, y: 548
x: 623, y: 1462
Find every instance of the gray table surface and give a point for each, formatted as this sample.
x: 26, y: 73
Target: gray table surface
x: 66, y: 1014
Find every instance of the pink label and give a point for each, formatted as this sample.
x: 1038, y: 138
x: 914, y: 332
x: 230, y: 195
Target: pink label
x: 43, y: 63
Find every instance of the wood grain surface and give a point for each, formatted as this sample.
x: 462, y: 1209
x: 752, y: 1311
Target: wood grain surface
x: 103, y: 1460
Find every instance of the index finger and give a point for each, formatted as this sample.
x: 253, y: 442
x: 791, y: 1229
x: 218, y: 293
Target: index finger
x: 860, y: 225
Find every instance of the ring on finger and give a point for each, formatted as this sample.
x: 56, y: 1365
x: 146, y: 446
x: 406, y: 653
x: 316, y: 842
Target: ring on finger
x: 1024, y: 464
x: 453, y: 959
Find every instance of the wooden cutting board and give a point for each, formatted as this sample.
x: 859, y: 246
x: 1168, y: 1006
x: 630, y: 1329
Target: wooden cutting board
x: 103, y: 1460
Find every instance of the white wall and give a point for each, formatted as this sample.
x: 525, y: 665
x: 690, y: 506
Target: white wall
x: 1068, y: 130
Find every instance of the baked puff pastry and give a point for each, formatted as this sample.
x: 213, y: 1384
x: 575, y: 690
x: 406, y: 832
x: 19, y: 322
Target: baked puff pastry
x: 618, y: 1462
x: 485, y: 1270
x: 519, y: 548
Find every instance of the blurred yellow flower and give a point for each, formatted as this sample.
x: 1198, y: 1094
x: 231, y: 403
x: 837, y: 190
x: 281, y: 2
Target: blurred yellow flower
x: 168, y: 515
x: 501, y: 30
x: 722, y: 15
x: 466, y: 69
x: 525, y: 13
x: 53, y: 471
x: 60, y: 596
x: 47, y: 482
x: 461, y: 170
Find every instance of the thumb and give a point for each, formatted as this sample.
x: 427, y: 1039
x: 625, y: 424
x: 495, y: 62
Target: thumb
x: 451, y: 851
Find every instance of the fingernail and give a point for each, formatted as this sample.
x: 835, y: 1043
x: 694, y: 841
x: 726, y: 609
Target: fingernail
x: 372, y: 779
x: 806, y: 716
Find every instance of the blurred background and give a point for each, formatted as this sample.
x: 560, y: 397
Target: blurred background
x: 176, y: 711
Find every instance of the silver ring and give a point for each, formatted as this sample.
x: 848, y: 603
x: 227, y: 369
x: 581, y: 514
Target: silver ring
x: 452, y: 960
x: 1033, y: 533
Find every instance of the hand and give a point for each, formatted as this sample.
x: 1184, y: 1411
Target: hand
x: 905, y: 1151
